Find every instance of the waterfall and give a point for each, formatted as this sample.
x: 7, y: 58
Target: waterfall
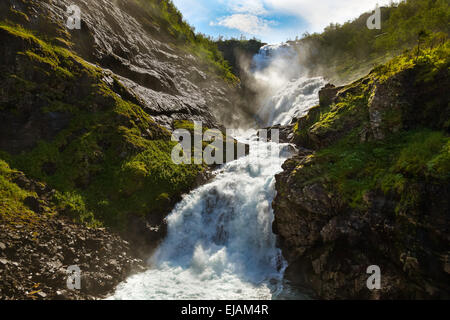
x: 287, y: 90
x: 220, y: 243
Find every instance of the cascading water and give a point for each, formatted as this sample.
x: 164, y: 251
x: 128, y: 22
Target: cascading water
x: 288, y: 91
x: 220, y: 243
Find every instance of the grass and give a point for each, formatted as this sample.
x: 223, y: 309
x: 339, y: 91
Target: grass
x: 111, y: 161
x: 418, y: 152
x: 13, y: 212
x: 353, y: 169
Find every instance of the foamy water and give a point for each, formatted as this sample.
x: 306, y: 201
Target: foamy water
x: 220, y: 243
x: 288, y: 91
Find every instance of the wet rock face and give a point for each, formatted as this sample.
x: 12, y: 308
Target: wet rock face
x: 170, y: 83
x: 296, y: 231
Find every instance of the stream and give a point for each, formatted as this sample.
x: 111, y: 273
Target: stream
x: 220, y: 243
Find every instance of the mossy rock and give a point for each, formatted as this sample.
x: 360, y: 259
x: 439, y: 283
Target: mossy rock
x: 109, y: 160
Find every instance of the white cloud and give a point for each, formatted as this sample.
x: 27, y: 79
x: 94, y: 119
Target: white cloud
x: 245, y: 22
x: 247, y: 16
x: 254, y: 17
x: 321, y: 13
x: 255, y: 7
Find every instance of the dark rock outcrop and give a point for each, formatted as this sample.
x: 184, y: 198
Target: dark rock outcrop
x: 285, y: 133
x: 38, y: 247
x: 34, y: 262
x: 369, y: 192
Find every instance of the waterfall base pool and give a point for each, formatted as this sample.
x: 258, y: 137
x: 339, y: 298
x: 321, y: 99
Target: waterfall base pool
x: 220, y: 243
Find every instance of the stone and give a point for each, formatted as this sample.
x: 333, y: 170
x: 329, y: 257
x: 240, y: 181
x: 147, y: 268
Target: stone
x: 34, y: 204
x: 328, y: 241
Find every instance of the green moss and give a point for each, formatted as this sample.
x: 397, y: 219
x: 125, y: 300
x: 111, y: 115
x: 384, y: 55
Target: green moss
x: 350, y: 109
x: 393, y: 182
x: 73, y: 205
x: 112, y: 160
x: 187, y: 125
x: 439, y: 165
x: 303, y: 125
x: 428, y: 61
x: 49, y: 62
x: 58, y: 106
x: 19, y: 31
x: 19, y: 15
x: 414, y: 158
x: 13, y: 211
x: 326, y: 124
x: 353, y: 169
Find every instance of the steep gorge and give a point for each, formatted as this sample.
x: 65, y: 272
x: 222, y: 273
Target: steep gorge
x: 86, y: 115
x: 85, y: 146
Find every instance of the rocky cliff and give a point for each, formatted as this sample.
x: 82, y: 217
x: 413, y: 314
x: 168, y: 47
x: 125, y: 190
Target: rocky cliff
x: 135, y: 41
x: 371, y: 185
x: 86, y: 115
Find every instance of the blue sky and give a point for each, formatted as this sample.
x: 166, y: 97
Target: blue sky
x: 270, y: 20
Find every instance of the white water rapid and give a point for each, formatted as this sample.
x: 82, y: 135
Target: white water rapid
x: 220, y: 243
x: 288, y: 92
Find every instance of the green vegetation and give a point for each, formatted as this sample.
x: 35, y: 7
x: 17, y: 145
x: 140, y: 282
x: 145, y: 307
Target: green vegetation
x: 110, y: 162
x: 429, y: 61
x: 189, y: 126
x: 415, y: 148
x: 353, y: 169
x: 350, y: 50
x: 13, y: 211
x: 168, y: 17
x: 427, y: 67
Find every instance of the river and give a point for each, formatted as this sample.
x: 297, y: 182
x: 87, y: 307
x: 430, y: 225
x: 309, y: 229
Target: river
x: 220, y: 243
